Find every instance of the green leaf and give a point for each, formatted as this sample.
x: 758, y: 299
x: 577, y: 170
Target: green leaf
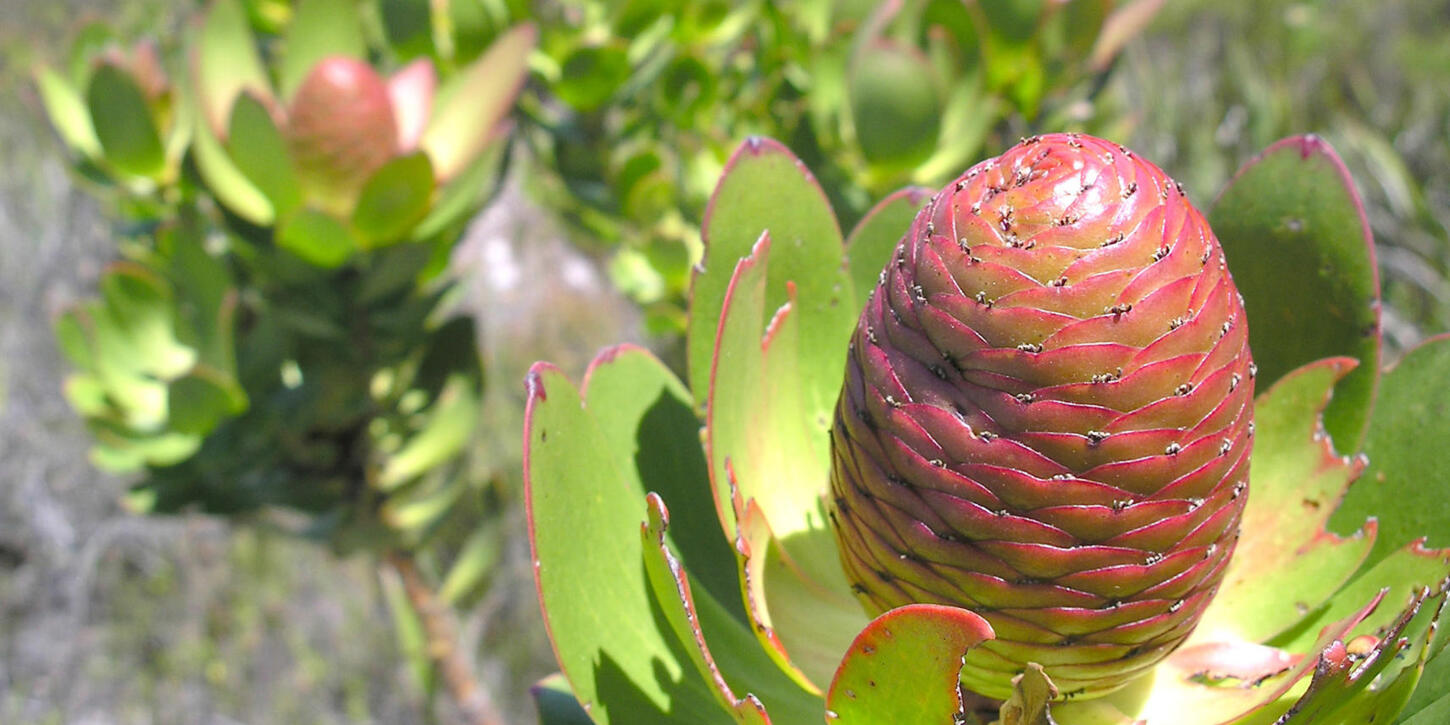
x: 450, y: 425
x: 258, y: 150
x: 686, y: 89
x: 1017, y: 72
x: 473, y: 23
x: 319, y: 28
x: 1299, y: 247
x: 470, y: 106
x: 67, y: 112
x: 585, y: 501
x: 86, y: 395
x: 227, y: 182
x: 903, y: 667
x: 1295, y: 479
x: 121, y: 362
x: 1373, y: 685
x: 662, y: 451
x: 474, y: 563
x: 394, y: 200
x: 896, y: 108
x: 765, y: 187
x: 317, y: 238
x: 1435, y: 713
x: 177, y: 133
x: 770, y: 467
x: 760, y: 441
x: 556, y: 703
x: 462, y: 195
x: 591, y: 75
x: 407, y: 26
x: 1014, y: 20
x: 198, y: 401
x: 1401, y: 575
x: 968, y: 115
x: 118, y: 451
x: 703, y: 628
x: 417, y: 510
x: 207, y: 292
x: 1405, y: 483
x: 226, y: 63
x: 1434, y: 684
x: 92, y: 38
x: 869, y: 247
x: 127, y: 134
x: 1032, y: 690
x: 139, y: 306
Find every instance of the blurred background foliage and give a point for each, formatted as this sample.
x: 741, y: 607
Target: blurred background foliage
x: 1215, y: 82
x: 621, y: 130
x: 637, y: 105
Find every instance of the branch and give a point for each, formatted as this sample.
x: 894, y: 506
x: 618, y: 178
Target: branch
x: 441, y: 628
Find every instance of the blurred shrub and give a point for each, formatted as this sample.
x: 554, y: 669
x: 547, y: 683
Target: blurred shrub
x: 279, y: 338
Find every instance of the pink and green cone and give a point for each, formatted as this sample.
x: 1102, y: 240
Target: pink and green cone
x: 1047, y: 416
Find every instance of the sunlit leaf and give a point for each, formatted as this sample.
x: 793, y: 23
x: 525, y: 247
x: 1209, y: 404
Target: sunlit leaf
x: 1405, y: 482
x: 127, y: 133
x: 869, y: 247
x: 227, y: 182
x: 257, y: 149
x: 1295, y: 478
x: 225, y: 63
x: 765, y: 187
x: 470, y: 106
x: 903, y: 667
x: 1299, y: 247
x: 67, y: 112
x: 450, y: 425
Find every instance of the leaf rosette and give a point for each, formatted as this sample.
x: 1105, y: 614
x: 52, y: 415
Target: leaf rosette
x: 332, y: 154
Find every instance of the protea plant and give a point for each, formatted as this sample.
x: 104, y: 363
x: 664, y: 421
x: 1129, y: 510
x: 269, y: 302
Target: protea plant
x: 1029, y: 483
x: 333, y: 155
x: 282, y: 336
x: 1047, y: 416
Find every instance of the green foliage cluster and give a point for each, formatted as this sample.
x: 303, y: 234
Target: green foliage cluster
x: 640, y: 103
x: 279, y: 333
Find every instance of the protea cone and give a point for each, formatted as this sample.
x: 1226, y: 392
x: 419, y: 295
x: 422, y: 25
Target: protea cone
x: 336, y: 150
x: 1047, y: 416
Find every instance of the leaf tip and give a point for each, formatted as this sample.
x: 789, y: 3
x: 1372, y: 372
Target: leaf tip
x: 534, y: 380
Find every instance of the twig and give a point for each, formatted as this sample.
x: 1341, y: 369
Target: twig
x: 441, y: 628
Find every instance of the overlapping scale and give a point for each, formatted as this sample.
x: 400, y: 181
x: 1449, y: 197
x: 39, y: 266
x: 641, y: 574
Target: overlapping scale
x: 1047, y: 416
